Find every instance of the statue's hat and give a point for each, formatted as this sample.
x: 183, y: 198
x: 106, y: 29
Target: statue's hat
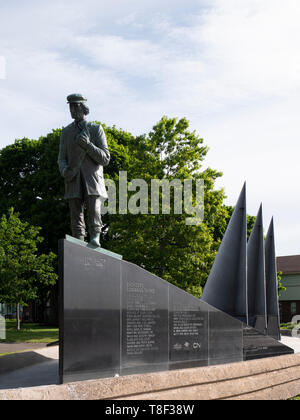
x: 76, y: 98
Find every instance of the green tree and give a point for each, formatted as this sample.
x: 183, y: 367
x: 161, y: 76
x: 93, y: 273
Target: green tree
x: 22, y: 270
x: 30, y: 182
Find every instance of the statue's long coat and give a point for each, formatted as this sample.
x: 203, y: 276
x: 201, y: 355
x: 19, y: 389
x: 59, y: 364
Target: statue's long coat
x: 83, y: 168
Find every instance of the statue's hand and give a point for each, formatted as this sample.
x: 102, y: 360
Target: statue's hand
x: 83, y: 139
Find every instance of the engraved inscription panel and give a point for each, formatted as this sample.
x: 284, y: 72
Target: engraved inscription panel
x: 142, y: 316
x: 91, y: 317
x: 188, y: 320
x: 144, y: 321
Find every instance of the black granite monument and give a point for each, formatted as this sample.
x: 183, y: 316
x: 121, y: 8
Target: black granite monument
x: 118, y: 319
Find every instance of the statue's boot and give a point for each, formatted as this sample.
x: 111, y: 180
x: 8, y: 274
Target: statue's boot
x: 80, y: 237
x: 95, y: 240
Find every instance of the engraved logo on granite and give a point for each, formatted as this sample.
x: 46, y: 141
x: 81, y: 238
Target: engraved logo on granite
x: 197, y: 346
x: 93, y: 261
x: 177, y: 346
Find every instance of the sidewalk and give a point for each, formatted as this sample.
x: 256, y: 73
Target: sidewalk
x: 32, y: 368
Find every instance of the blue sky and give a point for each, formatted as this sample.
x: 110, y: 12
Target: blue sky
x: 230, y: 67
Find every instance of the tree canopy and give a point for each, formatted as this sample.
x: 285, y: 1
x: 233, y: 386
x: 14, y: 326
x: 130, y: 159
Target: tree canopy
x: 23, y: 272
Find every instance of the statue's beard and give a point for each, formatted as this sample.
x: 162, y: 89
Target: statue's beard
x: 78, y: 116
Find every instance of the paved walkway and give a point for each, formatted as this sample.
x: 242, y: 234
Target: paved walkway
x: 46, y: 373
x: 16, y: 347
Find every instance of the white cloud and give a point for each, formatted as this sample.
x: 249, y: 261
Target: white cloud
x: 256, y: 43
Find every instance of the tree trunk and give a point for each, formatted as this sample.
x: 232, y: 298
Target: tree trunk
x: 18, y: 317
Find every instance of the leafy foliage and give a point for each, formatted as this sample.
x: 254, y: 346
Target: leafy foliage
x: 22, y: 270
x: 280, y: 286
x: 29, y: 182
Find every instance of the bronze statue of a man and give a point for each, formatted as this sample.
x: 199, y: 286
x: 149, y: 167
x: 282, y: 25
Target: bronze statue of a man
x: 83, y: 152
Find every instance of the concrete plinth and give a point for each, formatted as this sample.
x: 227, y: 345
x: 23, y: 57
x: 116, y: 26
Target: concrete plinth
x: 267, y: 379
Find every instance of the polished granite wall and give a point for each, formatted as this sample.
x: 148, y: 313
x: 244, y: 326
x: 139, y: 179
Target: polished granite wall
x: 118, y: 319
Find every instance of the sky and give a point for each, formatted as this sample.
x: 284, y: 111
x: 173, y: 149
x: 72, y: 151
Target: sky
x: 232, y: 68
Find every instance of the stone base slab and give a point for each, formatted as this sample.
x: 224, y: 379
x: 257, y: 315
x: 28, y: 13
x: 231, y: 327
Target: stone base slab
x: 264, y: 379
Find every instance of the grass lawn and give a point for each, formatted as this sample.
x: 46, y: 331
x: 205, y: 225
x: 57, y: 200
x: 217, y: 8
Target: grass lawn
x: 288, y: 326
x: 30, y: 333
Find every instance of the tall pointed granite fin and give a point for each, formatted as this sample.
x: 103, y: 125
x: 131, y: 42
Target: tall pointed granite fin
x: 226, y: 285
x: 256, y: 281
x: 271, y: 285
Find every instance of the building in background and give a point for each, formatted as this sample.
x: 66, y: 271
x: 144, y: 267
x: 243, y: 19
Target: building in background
x: 37, y: 312
x: 290, y: 299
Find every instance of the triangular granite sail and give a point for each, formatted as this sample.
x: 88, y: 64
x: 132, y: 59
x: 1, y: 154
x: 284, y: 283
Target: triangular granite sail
x: 226, y: 288
x: 271, y: 285
x: 256, y: 281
